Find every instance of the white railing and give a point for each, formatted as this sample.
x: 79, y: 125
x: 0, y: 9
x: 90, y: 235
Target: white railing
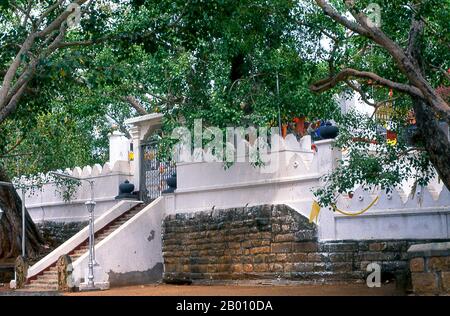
x: 117, y: 210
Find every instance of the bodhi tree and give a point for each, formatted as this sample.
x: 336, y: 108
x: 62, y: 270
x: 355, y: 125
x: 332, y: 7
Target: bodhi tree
x: 34, y: 38
x: 377, y: 49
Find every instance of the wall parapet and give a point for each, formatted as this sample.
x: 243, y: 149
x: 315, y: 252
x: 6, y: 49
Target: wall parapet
x: 49, y: 203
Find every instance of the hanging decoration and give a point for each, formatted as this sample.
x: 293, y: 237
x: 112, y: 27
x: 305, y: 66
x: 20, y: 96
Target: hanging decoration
x: 315, y: 210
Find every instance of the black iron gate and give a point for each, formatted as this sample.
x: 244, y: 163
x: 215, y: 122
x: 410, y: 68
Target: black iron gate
x: 154, y: 173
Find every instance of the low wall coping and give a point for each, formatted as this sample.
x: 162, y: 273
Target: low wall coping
x: 429, y: 250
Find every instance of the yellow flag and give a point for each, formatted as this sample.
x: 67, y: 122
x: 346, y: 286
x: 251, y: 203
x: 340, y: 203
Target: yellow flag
x: 315, y: 209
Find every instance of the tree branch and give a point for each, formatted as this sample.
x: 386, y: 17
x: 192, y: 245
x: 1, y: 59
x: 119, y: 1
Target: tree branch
x: 135, y: 104
x: 419, y: 86
x: 335, y: 15
x: 345, y: 74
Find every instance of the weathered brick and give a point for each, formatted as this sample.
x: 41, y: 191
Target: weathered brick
x: 246, y: 259
x: 341, y: 257
x: 307, y: 246
x: 260, y: 258
x: 276, y: 267
x: 424, y: 283
x: 339, y: 266
x: 317, y: 257
x: 248, y: 268
x: 380, y: 256
x: 282, y: 257
x: 276, y: 228
x: 339, y: 246
x: 303, y: 235
x: 298, y: 257
x: 303, y: 267
x: 223, y: 267
x: 170, y: 268
x: 212, y: 268
x: 288, y: 267
x: 377, y: 246
x: 445, y: 280
x: 234, y: 245
x: 261, y: 267
x: 280, y: 242
x: 320, y: 267
x: 237, y: 268
x: 282, y: 247
x: 198, y: 268
x: 417, y: 265
x: 225, y: 259
x: 258, y: 250
x: 439, y: 264
x: 284, y: 237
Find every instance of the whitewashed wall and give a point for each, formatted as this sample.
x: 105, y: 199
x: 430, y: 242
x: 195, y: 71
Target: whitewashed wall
x: 117, y: 210
x: 131, y: 254
x: 203, y: 186
x: 47, y: 203
x: 424, y: 215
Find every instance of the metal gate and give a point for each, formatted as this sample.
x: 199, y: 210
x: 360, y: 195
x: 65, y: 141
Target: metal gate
x: 154, y: 173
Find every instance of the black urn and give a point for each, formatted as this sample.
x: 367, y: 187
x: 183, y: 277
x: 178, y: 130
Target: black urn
x: 126, y: 191
x: 171, y: 183
x: 328, y: 131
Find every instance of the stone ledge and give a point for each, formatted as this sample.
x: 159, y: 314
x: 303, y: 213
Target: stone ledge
x: 429, y: 250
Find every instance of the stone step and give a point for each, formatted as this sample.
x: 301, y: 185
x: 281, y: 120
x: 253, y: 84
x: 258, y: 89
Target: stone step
x: 47, y: 277
x: 39, y: 288
x: 114, y: 227
x: 108, y: 232
x: 52, y: 272
x: 45, y: 282
x: 42, y: 285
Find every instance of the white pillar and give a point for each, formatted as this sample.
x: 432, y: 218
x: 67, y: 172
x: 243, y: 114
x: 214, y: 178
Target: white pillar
x: 119, y: 146
x: 135, y: 134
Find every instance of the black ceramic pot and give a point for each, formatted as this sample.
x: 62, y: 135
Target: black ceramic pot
x: 328, y: 132
x: 172, y: 182
x: 126, y: 187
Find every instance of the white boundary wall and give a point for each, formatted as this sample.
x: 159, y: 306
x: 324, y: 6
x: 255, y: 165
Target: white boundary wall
x: 204, y: 186
x: 47, y: 203
x: 426, y: 215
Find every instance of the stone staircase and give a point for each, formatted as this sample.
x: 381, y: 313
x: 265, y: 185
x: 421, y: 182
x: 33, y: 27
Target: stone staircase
x: 47, y: 280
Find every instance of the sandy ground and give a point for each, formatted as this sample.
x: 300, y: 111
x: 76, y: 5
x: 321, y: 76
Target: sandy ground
x: 246, y: 290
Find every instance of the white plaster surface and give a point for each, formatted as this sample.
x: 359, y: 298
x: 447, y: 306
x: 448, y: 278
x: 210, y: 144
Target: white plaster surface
x: 133, y: 247
x: 47, y: 203
x: 118, y: 209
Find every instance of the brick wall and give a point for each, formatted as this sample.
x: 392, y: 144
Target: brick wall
x: 55, y: 234
x: 269, y: 242
x: 430, y: 268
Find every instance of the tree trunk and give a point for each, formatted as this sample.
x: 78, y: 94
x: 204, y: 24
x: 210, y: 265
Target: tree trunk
x: 11, y: 225
x: 435, y: 141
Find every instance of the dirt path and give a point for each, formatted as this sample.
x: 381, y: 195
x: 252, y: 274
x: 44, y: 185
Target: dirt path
x: 238, y: 290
